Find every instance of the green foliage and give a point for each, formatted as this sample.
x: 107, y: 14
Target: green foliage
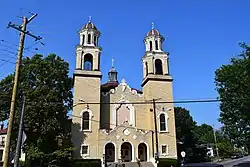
x: 187, y: 140
x: 205, y: 134
x: 168, y: 162
x: 225, y: 149
x: 232, y: 83
x: 47, y: 87
x: 225, y: 146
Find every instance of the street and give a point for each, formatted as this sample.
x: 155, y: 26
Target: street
x: 232, y: 162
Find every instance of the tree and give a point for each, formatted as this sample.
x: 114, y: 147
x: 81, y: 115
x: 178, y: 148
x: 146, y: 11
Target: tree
x: 205, y: 134
x: 186, y: 139
x: 232, y: 83
x: 225, y: 147
x: 47, y: 86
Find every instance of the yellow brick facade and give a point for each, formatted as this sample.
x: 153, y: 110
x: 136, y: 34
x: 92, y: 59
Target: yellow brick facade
x: 107, y: 134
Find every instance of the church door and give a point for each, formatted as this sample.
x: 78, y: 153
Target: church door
x: 110, y: 152
x: 142, y: 152
x: 126, y: 152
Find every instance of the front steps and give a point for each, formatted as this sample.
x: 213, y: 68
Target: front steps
x: 130, y: 164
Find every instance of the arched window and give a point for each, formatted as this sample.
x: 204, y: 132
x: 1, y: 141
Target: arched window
x: 150, y: 45
x: 83, y: 39
x: 156, y: 45
x: 89, y: 39
x: 146, y: 66
x: 95, y: 40
x: 158, y: 66
x: 85, y: 121
x: 88, y: 62
x: 162, y: 122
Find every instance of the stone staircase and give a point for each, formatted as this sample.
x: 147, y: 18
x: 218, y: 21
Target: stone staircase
x: 130, y: 164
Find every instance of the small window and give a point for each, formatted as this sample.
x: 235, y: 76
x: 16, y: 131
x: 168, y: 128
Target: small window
x: 162, y: 122
x: 95, y: 40
x: 150, y: 45
x: 146, y: 64
x: 156, y: 45
x: 164, y: 149
x: 85, y: 121
x: 85, y: 149
x: 83, y: 39
x: 89, y: 39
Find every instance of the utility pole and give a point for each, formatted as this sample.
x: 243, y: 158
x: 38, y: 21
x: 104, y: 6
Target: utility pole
x: 215, y: 140
x: 156, y: 131
x: 20, y: 136
x: 23, y: 31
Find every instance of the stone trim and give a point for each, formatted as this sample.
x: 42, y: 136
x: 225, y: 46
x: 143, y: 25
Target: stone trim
x: 156, y: 77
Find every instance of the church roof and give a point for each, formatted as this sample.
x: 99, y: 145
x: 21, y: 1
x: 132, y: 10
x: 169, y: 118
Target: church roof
x: 153, y: 32
x: 89, y: 25
x: 109, y: 85
x: 112, y: 70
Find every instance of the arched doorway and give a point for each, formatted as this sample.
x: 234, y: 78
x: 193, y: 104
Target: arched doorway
x: 142, y: 152
x: 126, y: 152
x: 110, y: 152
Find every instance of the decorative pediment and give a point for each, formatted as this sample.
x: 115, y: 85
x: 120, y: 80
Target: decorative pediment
x: 126, y: 130
x: 124, y: 87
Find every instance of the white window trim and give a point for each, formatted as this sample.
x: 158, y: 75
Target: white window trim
x: 167, y: 150
x: 87, y: 151
x: 166, y: 122
x: 90, y: 120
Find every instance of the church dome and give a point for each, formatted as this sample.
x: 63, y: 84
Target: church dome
x: 89, y: 25
x: 153, y: 32
x: 112, y: 70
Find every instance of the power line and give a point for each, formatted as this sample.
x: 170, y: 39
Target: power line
x: 7, y: 61
x: 158, y: 102
x: 120, y: 125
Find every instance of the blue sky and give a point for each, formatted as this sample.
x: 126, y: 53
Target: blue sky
x: 200, y: 36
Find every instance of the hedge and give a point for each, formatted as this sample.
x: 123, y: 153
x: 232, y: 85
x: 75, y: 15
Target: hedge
x: 86, y: 163
x: 167, y: 162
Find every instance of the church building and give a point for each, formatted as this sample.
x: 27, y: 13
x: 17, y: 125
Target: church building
x: 113, y: 121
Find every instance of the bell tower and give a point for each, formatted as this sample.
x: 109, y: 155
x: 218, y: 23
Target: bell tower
x: 87, y: 82
x: 88, y: 52
x: 157, y: 84
x: 155, y: 60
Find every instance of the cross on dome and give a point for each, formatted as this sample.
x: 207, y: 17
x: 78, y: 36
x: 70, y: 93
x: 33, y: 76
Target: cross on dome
x: 153, y: 31
x: 113, y: 62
